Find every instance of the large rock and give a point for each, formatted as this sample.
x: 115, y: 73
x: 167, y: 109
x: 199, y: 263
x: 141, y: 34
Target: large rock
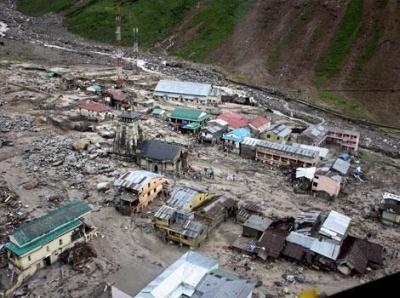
x: 81, y: 145
x: 103, y: 186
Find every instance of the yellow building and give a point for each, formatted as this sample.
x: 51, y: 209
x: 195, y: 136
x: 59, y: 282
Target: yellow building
x: 188, y: 199
x: 40, y: 242
x: 278, y: 133
x: 144, y: 187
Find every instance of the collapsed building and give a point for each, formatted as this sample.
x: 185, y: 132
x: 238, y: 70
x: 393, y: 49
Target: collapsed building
x: 41, y: 242
x: 214, y: 131
x: 318, y: 135
x: 308, y: 240
x: 190, y: 215
x: 390, y: 208
x: 142, y: 186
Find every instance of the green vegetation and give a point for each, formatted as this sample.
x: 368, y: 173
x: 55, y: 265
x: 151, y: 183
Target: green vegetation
x: 287, y: 39
x: 347, y: 106
x: 382, y: 3
x: 96, y: 20
x: 41, y: 7
x: 369, y: 49
x: 344, y: 40
x: 211, y: 26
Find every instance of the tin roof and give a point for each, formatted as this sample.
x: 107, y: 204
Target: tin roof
x: 281, y: 130
x: 222, y: 284
x: 287, y: 149
x: 130, y: 115
x: 135, y: 180
x: 257, y: 223
x: 117, y: 95
x: 272, y: 243
x: 233, y: 119
x: 341, y: 166
x: 325, y: 248
x: 335, y: 226
x: 181, y: 197
x: 183, y: 88
x: 54, y: 220
x: 181, y: 278
x: 300, y: 239
x: 323, y: 152
x: 95, y: 107
x: 237, y: 135
x: 260, y: 122
x: 165, y: 212
x: 188, y: 114
x: 315, y: 132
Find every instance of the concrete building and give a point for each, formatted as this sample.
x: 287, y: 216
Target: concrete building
x: 95, y: 111
x: 161, y: 157
x: 143, y: 187
x: 186, y: 91
x: 118, y: 99
x: 319, y: 135
x: 39, y: 243
x: 326, y: 184
x: 278, y: 133
x: 279, y: 154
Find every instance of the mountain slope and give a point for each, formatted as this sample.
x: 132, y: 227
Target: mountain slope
x: 342, y: 54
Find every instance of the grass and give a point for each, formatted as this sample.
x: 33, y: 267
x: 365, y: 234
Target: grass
x: 345, y: 105
x: 41, y: 7
x: 287, y: 39
x: 154, y: 19
x: 345, y: 38
x: 213, y: 24
x: 369, y: 49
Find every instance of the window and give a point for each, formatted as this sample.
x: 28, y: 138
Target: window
x: 29, y: 258
x: 315, y: 184
x: 60, y: 242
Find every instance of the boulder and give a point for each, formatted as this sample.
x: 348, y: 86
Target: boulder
x: 81, y: 145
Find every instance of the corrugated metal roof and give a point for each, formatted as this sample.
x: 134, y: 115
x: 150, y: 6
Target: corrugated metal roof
x: 281, y: 130
x: 325, y: 248
x: 182, y: 277
x: 181, y: 197
x: 50, y: 222
x: 287, y: 149
x: 300, y: 239
x: 323, y: 152
x: 165, y: 212
x: 135, y: 179
x: 183, y: 88
x: 250, y: 141
x: 257, y: 223
x: 335, y: 226
x: 188, y: 114
x: 234, y: 120
x: 237, y: 135
x: 341, y: 166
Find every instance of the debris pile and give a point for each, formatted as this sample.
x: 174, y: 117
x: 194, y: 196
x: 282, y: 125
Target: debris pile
x: 79, y: 255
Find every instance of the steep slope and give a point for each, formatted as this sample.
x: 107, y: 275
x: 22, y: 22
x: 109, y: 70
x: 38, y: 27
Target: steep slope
x: 342, y: 54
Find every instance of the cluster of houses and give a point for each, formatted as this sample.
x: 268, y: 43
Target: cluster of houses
x: 310, y: 239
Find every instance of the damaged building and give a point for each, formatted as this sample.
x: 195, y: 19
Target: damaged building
x: 40, y: 242
x: 142, y: 186
x: 390, y: 208
x: 95, y: 111
x: 318, y: 135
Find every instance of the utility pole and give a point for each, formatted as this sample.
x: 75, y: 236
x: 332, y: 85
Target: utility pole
x: 119, y: 53
x: 136, y: 49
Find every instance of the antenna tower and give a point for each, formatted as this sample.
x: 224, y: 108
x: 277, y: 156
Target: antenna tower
x: 119, y: 53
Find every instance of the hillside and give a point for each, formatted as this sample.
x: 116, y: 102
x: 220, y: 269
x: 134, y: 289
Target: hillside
x: 341, y: 54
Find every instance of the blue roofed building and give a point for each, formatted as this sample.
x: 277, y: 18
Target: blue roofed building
x: 233, y: 138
